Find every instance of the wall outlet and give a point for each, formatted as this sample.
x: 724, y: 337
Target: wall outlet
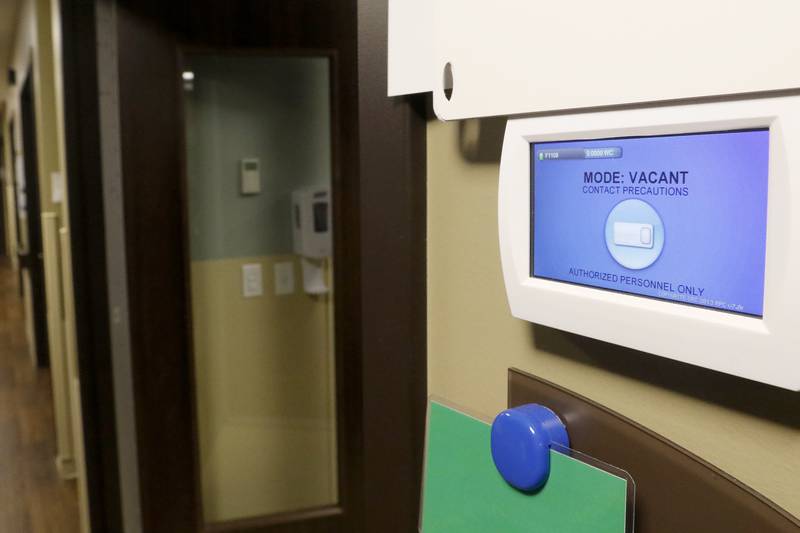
x: 252, y: 280
x: 284, y: 278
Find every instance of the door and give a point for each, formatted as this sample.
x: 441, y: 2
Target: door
x: 275, y: 269
x: 31, y: 258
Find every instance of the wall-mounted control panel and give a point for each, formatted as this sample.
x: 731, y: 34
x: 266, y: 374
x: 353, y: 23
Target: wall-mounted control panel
x: 665, y: 229
x: 250, y: 176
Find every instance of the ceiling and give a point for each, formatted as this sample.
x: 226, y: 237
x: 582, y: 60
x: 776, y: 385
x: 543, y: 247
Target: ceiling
x: 8, y: 23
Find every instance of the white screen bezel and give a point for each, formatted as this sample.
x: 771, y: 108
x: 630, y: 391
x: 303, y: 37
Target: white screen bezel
x: 764, y: 349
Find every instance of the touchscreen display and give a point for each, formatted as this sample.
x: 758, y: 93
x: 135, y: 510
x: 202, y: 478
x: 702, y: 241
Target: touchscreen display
x: 675, y: 217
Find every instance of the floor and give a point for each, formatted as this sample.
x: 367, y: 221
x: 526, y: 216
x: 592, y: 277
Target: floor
x: 32, y: 497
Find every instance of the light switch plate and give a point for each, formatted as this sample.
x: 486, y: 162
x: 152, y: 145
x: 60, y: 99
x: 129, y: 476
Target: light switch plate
x: 284, y: 278
x: 252, y: 280
x: 57, y: 187
x: 251, y: 183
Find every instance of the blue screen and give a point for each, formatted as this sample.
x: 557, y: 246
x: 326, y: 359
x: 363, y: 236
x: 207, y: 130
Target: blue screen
x: 676, y: 217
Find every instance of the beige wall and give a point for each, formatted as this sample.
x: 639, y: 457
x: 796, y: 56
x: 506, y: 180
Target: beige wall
x: 33, y: 57
x: 264, y: 373
x: 37, y: 53
x: 749, y: 430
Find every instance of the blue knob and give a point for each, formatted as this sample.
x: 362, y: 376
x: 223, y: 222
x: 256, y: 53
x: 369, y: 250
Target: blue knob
x: 521, y: 439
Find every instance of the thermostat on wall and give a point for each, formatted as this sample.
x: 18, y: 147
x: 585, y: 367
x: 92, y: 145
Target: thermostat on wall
x: 668, y: 230
x: 250, y: 172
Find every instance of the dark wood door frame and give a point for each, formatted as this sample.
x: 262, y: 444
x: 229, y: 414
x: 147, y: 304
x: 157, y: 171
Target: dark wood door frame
x: 381, y: 291
x: 392, y: 164
x: 381, y: 148
x: 90, y: 270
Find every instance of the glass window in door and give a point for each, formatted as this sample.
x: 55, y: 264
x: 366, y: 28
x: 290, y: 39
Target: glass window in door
x: 258, y: 183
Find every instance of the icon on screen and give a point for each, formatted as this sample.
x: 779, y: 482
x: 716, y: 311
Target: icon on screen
x: 634, y: 234
x: 638, y: 235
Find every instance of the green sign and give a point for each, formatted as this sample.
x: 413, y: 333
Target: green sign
x: 464, y: 493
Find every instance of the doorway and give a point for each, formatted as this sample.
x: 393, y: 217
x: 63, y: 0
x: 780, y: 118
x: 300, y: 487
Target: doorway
x: 258, y: 159
x: 31, y: 258
x: 376, y: 271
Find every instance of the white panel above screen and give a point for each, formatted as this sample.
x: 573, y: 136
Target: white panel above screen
x: 411, y: 62
x: 521, y: 56
x: 763, y: 348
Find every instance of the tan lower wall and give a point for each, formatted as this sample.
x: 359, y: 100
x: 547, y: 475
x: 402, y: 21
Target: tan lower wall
x: 265, y: 392
x: 36, y: 52
x: 473, y: 340
x: 59, y: 369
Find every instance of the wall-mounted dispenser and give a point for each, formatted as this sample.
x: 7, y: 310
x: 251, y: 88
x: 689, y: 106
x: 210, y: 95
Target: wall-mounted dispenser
x: 311, y: 230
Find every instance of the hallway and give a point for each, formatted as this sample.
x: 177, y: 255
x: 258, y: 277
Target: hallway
x: 32, y: 497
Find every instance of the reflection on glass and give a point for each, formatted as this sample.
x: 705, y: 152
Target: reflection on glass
x: 258, y: 152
